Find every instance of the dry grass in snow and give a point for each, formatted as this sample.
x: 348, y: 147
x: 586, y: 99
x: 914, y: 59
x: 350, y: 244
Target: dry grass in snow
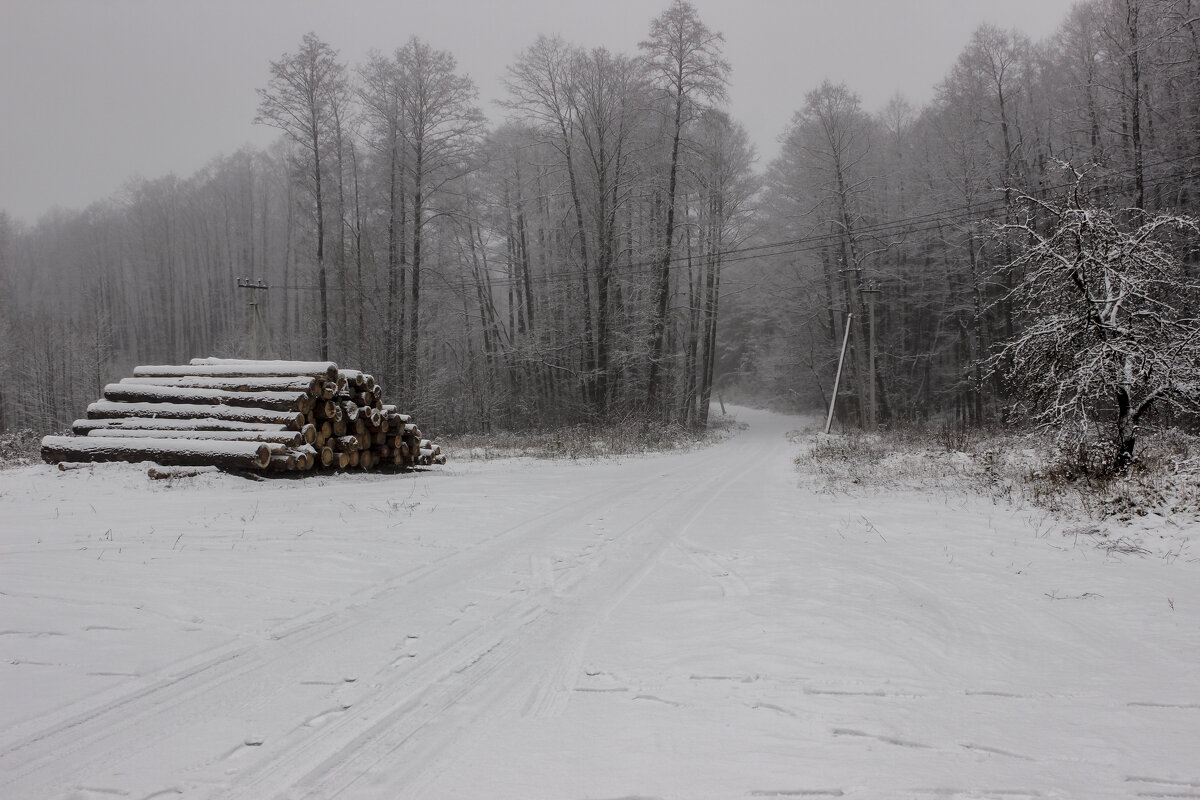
x: 623, y: 438
x: 1148, y: 510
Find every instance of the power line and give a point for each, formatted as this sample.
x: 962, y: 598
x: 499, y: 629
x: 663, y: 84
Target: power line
x: 917, y: 223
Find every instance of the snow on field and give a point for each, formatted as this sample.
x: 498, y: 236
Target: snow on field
x: 690, y: 625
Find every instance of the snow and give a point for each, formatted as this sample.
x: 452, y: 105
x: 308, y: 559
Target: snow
x: 269, y: 384
x: 688, y: 625
x: 217, y: 368
x: 108, y: 409
x: 170, y: 394
x: 83, y: 426
x: 282, y: 367
x: 118, y: 447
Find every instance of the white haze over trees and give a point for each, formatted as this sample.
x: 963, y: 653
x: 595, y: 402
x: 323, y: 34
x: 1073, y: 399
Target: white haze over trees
x: 607, y: 249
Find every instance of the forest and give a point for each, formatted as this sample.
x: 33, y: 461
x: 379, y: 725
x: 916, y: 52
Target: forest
x: 605, y: 246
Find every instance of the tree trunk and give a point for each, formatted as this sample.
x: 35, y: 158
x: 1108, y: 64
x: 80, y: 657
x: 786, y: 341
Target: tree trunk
x: 414, y: 318
x: 662, y: 293
x: 81, y: 427
x: 240, y: 368
x: 276, y: 401
x: 168, y: 452
x: 289, y: 438
x: 1135, y: 101
x: 1126, y: 426
x: 267, y: 384
x: 321, y: 277
x: 394, y: 335
x: 104, y: 409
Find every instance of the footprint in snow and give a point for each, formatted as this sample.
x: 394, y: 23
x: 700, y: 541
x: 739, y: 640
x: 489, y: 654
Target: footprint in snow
x: 885, y: 739
x: 1188, y: 706
x: 168, y: 792
x: 320, y: 719
x: 247, y: 745
x: 1165, y: 787
x: 994, y: 750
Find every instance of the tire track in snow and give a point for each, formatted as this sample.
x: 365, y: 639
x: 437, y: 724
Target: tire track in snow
x: 469, y: 690
x: 549, y: 694
x: 476, y: 642
x: 78, y: 743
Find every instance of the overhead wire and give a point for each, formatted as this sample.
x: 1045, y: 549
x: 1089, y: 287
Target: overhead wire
x: 982, y: 211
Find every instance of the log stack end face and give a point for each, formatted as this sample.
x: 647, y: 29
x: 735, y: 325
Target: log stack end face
x: 266, y: 416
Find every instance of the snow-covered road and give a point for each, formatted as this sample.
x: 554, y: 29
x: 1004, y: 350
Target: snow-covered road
x: 691, y: 625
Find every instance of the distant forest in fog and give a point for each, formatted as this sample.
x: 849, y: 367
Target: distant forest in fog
x: 611, y: 250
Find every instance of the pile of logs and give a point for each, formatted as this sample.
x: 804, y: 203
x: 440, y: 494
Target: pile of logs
x: 269, y: 416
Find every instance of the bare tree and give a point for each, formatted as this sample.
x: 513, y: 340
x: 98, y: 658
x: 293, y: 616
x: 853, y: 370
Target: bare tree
x: 725, y: 184
x: 381, y: 95
x: 542, y: 84
x: 687, y: 66
x: 1109, y: 323
x: 824, y: 151
x: 302, y: 99
x: 441, y: 129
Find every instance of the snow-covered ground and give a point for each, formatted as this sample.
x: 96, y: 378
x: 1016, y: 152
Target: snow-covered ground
x: 690, y: 625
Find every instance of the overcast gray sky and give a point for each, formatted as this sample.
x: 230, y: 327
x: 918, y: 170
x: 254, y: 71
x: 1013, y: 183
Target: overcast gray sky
x: 93, y: 92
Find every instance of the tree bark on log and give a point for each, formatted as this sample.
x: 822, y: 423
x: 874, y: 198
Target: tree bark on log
x: 274, y: 401
x: 168, y: 473
x: 82, y: 427
x: 317, y: 369
x: 289, y: 438
x: 270, y: 384
x: 253, y: 369
x: 168, y: 452
x: 105, y: 409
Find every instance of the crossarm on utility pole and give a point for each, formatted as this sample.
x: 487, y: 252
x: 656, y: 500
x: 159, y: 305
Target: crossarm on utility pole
x: 256, y: 320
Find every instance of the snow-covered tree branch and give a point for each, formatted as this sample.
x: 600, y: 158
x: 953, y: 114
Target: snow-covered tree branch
x: 1108, y: 320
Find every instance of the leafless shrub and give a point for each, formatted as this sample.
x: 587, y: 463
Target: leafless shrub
x: 19, y: 448
x: 1014, y: 467
x: 954, y: 437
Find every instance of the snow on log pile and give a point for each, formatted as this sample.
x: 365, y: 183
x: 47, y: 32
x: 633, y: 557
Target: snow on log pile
x: 270, y: 416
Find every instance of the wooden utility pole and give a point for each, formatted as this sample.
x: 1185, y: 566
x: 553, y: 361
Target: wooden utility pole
x: 838, y: 378
x: 256, y: 320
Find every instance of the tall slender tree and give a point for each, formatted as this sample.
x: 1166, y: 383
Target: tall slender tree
x: 687, y: 66
x: 441, y: 128
x: 301, y: 98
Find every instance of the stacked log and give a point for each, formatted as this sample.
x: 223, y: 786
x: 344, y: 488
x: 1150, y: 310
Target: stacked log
x: 267, y: 416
